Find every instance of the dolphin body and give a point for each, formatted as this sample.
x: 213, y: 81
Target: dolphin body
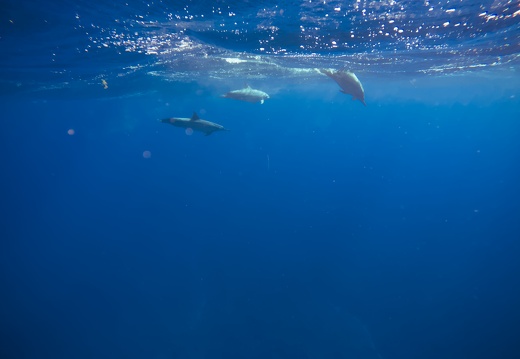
x: 349, y: 83
x: 195, y: 123
x: 247, y: 94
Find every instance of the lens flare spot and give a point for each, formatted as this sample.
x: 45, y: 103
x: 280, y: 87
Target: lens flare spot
x: 71, y: 131
x: 189, y: 131
x: 147, y: 154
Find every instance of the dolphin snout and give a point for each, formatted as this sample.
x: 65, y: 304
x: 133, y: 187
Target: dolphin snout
x: 167, y: 120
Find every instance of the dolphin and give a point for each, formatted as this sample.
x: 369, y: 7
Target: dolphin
x: 247, y: 94
x: 195, y: 123
x: 349, y: 83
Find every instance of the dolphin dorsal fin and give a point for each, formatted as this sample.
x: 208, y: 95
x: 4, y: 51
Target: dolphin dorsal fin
x: 195, y: 117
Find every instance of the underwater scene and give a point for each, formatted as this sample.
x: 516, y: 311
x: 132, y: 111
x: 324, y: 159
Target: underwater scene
x: 291, y: 179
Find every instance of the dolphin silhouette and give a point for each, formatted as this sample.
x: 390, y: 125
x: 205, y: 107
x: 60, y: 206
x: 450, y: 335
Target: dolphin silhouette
x: 349, y: 83
x: 195, y: 123
x: 247, y: 94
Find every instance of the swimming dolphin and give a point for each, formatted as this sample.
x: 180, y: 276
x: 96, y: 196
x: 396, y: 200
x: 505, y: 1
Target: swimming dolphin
x: 247, y: 94
x: 348, y: 82
x: 195, y: 123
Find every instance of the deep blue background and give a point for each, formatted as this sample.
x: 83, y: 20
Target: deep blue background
x: 311, y: 230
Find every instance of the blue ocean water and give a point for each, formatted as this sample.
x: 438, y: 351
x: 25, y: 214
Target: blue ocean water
x: 315, y: 228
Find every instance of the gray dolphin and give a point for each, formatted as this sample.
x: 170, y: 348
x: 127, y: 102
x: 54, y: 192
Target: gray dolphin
x: 195, y: 123
x: 247, y: 94
x: 348, y: 82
